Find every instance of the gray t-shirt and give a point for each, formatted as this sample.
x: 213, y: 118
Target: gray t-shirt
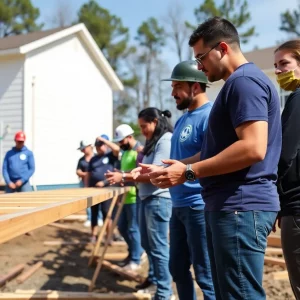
x: 161, y: 151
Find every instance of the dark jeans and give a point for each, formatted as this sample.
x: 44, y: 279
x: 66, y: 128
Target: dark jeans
x: 104, y: 207
x: 129, y: 229
x: 236, y: 244
x: 290, y: 239
x: 155, y: 213
x: 188, y: 246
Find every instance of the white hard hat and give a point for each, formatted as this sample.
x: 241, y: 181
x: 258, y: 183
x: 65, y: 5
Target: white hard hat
x: 122, y: 132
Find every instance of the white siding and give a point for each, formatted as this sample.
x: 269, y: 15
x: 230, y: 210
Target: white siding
x: 11, y: 100
x: 70, y: 101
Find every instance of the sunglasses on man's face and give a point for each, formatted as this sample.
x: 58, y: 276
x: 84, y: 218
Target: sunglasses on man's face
x: 200, y: 58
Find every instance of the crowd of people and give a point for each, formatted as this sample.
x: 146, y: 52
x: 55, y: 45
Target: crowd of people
x: 208, y: 192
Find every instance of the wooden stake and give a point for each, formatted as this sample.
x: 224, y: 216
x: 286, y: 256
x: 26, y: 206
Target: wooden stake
x: 99, y: 264
x: 11, y: 274
x: 29, y: 272
x: 108, y: 218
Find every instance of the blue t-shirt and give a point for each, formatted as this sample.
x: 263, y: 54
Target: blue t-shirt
x: 187, y: 141
x: 247, y: 95
x: 99, y: 165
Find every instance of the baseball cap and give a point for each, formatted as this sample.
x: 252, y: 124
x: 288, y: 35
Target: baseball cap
x: 122, y: 132
x: 20, y: 136
x: 83, y: 144
x: 100, y: 143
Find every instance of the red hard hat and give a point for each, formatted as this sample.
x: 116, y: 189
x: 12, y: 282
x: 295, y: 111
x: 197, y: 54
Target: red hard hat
x: 20, y: 136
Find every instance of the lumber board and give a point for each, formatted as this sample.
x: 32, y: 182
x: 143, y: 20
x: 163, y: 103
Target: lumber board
x: 280, y: 275
x: 42, y: 295
x: 273, y: 251
x: 11, y: 274
x: 21, y: 278
x: 15, y: 224
x: 125, y: 273
x: 119, y: 256
x: 275, y: 261
x: 274, y: 241
x: 68, y: 227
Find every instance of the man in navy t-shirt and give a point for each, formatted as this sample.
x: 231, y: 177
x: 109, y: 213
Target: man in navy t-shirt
x: 104, y: 161
x: 187, y: 225
x: 238, y: 166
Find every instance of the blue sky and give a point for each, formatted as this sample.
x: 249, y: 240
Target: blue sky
x: 265, y: 14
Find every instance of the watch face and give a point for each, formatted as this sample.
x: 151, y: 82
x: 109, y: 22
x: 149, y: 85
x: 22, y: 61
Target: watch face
x: 190, y: 175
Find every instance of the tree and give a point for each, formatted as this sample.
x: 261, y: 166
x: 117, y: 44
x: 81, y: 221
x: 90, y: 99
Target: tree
x: 107, y: 30
x: 176, y: 30
x: 236, y: 11
x: 62, y: 15
x: 17, y: 17
x: 290, y: 21
x: 151, y: 38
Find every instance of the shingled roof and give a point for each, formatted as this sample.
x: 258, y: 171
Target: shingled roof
x: 263, y: 58
x: 16, y: 41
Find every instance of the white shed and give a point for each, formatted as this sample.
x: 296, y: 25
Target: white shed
x: 57, y: 86
x: 264, y: 59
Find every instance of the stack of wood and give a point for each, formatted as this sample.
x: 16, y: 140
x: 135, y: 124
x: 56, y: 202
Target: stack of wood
x: 274, y: 257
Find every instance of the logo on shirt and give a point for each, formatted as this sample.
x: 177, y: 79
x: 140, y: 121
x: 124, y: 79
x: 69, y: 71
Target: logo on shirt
x: 105, y: 160
x: 23, y: 156
x: 185, y: 133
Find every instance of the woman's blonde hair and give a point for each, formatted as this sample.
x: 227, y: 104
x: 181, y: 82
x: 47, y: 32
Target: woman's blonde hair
x: 293, y: 46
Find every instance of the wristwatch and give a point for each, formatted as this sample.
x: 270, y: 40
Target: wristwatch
x: 189, y: 173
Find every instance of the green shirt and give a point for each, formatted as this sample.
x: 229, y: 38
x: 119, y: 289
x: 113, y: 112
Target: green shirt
x: 128, y: 162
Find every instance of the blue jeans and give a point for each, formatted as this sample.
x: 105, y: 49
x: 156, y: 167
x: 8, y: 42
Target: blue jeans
x: 26, y: 187
x: 236, y: 244
x: 188, y: 246
x: 155, y: 213
x: 129, y: 229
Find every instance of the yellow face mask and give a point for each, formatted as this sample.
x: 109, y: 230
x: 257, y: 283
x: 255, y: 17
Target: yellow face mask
x: 287, y: 80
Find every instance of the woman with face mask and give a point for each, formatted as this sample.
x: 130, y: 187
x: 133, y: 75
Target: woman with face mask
x: 287, y: 69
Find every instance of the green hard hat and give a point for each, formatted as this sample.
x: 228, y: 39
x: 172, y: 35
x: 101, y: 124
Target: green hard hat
x: 187, y: 71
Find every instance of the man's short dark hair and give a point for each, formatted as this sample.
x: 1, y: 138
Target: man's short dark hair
x: 202, y: 85
x: 213, y: 31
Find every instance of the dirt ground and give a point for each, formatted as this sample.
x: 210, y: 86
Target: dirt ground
x: 66, y: 268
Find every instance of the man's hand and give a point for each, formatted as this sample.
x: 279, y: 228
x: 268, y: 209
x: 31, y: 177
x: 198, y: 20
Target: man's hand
x: 18, y: 183
x: 278, y: 221
x: 12, y: 186
x: 113, y: 177
x: 169, y: 176
x: 144, y: 169
x: 100, y: 184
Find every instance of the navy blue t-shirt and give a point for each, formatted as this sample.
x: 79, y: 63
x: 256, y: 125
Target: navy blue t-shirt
x: 99, y: 165
x: 83, y: 165
x: 247, y: 95
x: 187, y: 141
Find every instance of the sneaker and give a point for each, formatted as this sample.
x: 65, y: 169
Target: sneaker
x: 124, y: 262
x: 87, y: 223
x: 144, y: 257
x: 149, y: 290
x: 100, y: 222
x: 131, y: 266
x: 147, y: 283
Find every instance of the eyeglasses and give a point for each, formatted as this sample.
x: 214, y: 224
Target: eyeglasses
x: 199, y: 59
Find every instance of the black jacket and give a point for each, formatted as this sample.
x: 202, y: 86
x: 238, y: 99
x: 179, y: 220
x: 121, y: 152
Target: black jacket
x: 289, y: 164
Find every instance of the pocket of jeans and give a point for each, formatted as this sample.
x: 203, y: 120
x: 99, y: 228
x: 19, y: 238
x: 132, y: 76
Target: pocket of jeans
x: 296, y: 220
x: 263, y: 222
x: 164, y: 209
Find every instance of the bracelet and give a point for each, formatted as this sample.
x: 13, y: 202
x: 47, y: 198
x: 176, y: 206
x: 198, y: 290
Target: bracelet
x: 123, y: 177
